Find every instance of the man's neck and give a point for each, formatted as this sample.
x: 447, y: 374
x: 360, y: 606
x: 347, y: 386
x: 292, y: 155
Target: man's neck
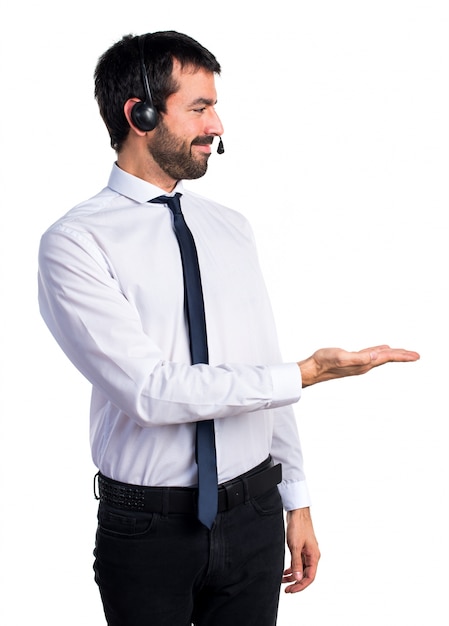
x: 145, y: 168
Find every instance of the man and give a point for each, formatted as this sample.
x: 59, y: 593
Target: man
x: 114, y: 291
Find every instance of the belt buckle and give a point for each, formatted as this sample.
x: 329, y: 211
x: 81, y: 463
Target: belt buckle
x: 235, y: 493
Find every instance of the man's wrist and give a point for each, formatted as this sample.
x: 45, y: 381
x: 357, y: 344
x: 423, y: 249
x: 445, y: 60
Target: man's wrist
x: 299, y: 514
x: 307, y: 367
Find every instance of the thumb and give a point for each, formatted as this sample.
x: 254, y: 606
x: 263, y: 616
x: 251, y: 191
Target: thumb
x: 297, y: 575
x: 297, y: 567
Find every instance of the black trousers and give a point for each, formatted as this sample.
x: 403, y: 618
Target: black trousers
x: 156, y: 570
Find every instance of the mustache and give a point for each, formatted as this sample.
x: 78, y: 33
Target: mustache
x: 206, y: 140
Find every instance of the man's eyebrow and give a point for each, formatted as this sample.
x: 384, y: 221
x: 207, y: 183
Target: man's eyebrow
x: 206, y: 101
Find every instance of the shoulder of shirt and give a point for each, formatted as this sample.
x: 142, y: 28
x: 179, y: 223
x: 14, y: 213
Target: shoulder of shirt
x: 101, y: 201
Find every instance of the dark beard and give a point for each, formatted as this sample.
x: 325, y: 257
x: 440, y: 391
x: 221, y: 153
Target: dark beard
x: 174, y: 156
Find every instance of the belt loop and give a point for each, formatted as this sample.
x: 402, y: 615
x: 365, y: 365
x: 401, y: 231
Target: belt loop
x: 245, y: 489
x: 96, y: 488
x: 165, y: 501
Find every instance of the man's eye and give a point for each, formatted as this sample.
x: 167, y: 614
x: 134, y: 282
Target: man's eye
x: 201, y: 110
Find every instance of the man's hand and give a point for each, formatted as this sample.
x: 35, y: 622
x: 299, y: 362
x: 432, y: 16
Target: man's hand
x: 304, y: 551
x: 330, y: 363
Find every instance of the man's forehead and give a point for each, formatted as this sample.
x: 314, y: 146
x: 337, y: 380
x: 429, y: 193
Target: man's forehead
x: 195, y: 82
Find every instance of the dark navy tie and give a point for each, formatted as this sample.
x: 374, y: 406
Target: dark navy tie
x: 194, y: 305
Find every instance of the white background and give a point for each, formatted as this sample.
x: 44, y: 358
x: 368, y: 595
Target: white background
x: 339, y: 108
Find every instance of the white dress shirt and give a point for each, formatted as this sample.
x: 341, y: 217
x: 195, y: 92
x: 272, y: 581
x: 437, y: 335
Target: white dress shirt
x: 111, y: 292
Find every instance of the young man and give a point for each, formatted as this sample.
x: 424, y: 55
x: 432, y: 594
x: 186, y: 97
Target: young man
x: 114, y: 291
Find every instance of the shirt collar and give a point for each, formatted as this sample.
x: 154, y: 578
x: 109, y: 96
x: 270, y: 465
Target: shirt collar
x: 136, y: 188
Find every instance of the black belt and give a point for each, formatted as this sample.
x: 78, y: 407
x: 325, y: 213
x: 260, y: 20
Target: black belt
x: 167, y: 500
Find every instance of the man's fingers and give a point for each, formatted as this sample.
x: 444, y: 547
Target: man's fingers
x: 290, y: 576
x: 375, y: 355
x: 392, y: 355
x: 298, y: 580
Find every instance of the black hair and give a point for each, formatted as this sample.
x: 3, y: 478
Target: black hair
x: 118, y: 74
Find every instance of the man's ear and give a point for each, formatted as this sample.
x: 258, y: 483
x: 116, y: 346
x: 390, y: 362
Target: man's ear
x: 127, y: 108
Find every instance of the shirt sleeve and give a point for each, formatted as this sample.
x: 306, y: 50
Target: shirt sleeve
x: 287, y: 381
x: 101, y: 333
x: 286, y: 449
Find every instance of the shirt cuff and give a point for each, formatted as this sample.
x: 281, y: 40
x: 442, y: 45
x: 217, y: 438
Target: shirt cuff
x: 287, y: 383
x: 295, y: 495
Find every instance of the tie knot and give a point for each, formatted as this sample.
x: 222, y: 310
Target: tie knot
x: 173, y: 202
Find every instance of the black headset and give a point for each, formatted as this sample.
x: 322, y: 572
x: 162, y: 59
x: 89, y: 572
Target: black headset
x: 144, y: 114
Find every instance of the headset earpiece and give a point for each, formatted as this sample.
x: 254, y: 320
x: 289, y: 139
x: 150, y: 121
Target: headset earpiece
x: 144, y: 114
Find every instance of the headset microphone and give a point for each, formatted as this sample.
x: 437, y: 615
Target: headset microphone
x: 220, y: 148
x: 144, y: 114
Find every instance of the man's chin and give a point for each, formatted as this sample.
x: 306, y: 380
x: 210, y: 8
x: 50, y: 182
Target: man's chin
x: 198, y: 174
x: 201, y: 163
